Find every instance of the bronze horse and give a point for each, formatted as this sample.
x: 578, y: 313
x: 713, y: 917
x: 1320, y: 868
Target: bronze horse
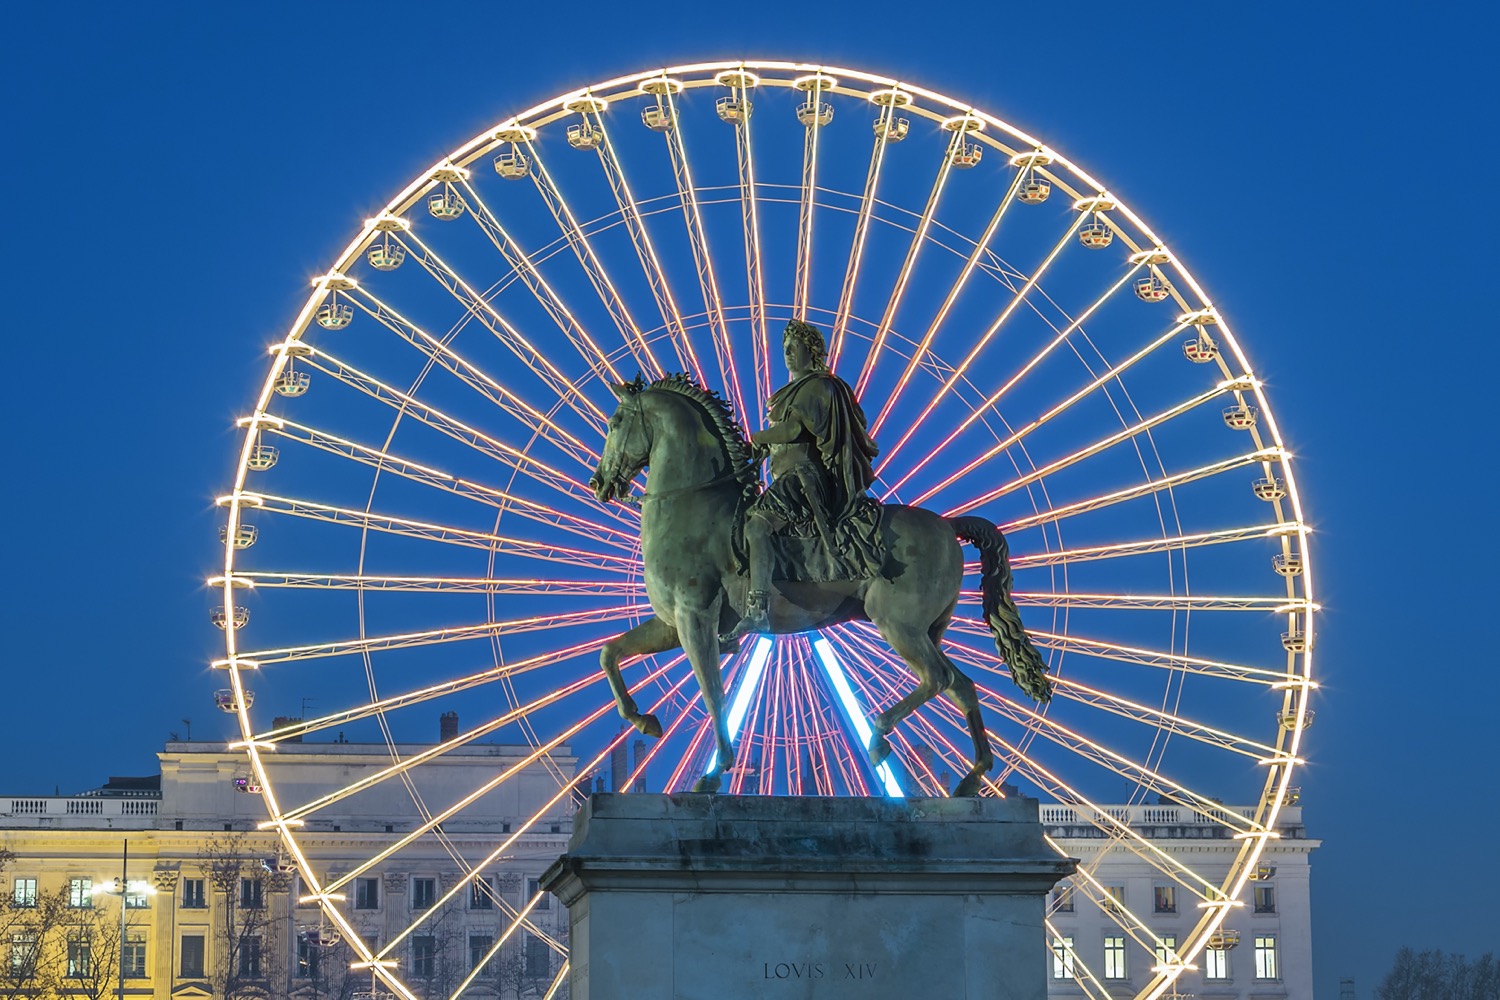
x: 700, y: 469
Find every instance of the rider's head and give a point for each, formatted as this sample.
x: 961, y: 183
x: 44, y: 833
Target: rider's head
x: 811, y: 338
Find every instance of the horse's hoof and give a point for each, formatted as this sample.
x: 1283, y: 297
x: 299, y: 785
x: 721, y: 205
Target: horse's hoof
x: 648, y: 725
x: 708, y: 783
x: 880, y: 749
x: 969, y: 787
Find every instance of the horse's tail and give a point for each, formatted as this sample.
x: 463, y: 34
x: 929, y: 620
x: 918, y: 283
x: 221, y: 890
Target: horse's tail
x: 1027, y: 668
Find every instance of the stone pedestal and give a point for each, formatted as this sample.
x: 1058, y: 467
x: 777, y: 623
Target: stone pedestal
x: 717, y: 897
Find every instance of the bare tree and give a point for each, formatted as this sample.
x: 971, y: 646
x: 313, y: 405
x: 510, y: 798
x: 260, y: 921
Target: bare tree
x: 31, y: 926
x: 1432, y: 975
x: 248, y: 941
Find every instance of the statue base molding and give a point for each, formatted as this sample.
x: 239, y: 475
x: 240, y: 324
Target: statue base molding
x: 703, y: 897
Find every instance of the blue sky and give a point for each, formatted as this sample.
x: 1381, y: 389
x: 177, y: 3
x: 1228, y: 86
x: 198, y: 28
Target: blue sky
x: 177, y: 172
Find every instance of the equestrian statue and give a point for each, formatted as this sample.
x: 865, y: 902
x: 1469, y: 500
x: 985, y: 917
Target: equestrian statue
x: 724, y: 558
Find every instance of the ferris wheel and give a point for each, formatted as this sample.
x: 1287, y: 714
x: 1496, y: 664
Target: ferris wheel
x: 411, y: 529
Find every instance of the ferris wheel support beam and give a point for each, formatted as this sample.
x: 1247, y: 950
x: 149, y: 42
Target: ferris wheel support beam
x: 1005, y: 314
x: 981, y: 246
x: 1064, y: 953
x: 541, y: 290
x: 489, y: 317
x: 978, y: 412
x: 645, y: 250
x: 1140, y: 932
x: 604, y: 286
x: 1124, y: 434
x: 482, y: 443
x: 840, y: 330
x: 918, y: 240
x: 441, y: 354
x: 703, y: 265
x: 488, y: 496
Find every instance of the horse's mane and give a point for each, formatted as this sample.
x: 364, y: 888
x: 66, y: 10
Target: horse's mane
x: 741, y: 460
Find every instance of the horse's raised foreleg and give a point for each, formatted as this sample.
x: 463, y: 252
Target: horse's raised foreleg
x: 651, y: 636
x: 700, y: 641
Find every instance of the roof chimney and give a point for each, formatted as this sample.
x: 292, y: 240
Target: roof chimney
x: 447, y: 727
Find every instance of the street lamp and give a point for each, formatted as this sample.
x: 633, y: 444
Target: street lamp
x: 124, y: 888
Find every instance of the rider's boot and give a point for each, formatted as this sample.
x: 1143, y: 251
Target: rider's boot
x: 757, y: 618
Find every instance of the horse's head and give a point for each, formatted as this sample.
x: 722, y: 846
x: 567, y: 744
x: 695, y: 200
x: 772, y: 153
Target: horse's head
x: 627, y: 445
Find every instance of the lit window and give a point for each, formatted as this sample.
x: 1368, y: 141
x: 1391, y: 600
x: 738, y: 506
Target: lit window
x: 1062, y: 958
x: 80, y: 893
x: 80, y: 956
x: 134, y: 956
x: 1165, y: 898
x: 1114, y: 898
x: 1062, y: 899
x: 543, y: 899
x: 482, y: 893
x: 192, y: 956
x: 250, y: 956
x: 1114, y: 956
x: 308, y: 956
x: 424, y: 956
x: 1265, y: 957
x: 1215, y: 963
x: 137, y: 897
x: 192, y: 894
x: 423, y: 893
x: 367, y: 894
x: 1166, y: 951
x: 1265, y: 899
x: 24, y: 895
x: 252, y: 894
x: 22, y: 956
x: 479, y: 950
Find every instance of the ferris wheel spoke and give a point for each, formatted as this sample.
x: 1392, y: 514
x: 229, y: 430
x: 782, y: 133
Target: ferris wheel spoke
x: 454, y: 685
x: 750, y: 226
x: 862, y: 219
x: 407, y: 528
x: 918, y: 241
x: 563, y: 388
x: 438, y: 636
x: 645, y: 250
x: 1028, y: 428
x: 488, y: 496
x: 1160, y: 720
x: 708, y: 282
x: 812, y: 121
x: 444, y: 584
x: 1158, y: 485
x: 1134, y: 655
x: 981, y: 247
x: 1083, y: 977
x: 979, y: 411
x: 481, y: 442
x: 1276, y: 603
x: 593, y: 267
x: 540, y: 288
x: 1175, y: 543
x: 1088, y: 451
x: 1139, y: 931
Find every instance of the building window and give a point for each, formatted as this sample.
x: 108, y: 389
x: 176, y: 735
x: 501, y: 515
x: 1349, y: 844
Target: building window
x: 534, y: 890
x: 482, y: 893
x: 1114, y: 956
x: 1062, y: 958
x: 24, y: 895
x: 1215, y: 963
x: 1165, y: 898
x: 80, y: 893
x: 192, y: 956
x: 1062, y: 899
x: 22, y: 956
x: 1265, y: 957
x: 1166, y: 952
x: 137, y: 898
x: 367, y: 894
x: 424, y: 956
x: 307, y: 956
x: 250, y: 956
x: 251, y: 894
x: 192, y: 894
x: 1265, y: 899
x: 423, y: 893
x: 80, y: 956
x: 479, y: 950
x: 538, y: 957
x: 1114, y: 898
x: 133, y: 955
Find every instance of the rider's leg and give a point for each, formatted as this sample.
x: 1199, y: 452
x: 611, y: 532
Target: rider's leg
x: 759, y: 527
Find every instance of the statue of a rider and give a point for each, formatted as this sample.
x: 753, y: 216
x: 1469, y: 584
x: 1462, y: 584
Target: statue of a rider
x: 820, y: 453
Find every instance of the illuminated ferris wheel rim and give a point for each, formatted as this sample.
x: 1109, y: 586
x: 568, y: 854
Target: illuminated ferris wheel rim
x: 979, y: 127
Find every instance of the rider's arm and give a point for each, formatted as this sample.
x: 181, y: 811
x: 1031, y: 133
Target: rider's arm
x: 786, y: 430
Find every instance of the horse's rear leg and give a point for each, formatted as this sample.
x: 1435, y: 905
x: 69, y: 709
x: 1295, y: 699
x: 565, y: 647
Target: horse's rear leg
x: 963, y: 694
x: 932, y: 670
x: 651, y: 636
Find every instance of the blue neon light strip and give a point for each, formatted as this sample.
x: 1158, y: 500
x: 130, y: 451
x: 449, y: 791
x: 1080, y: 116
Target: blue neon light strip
x: 852, y: 711
x: 748, y: 683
